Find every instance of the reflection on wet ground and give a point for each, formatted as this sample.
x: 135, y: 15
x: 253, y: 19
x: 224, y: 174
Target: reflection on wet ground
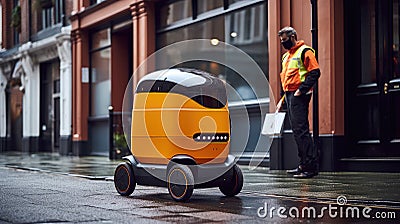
x: 210, y: 204
x: 93, y: 166
x: 358, y: 187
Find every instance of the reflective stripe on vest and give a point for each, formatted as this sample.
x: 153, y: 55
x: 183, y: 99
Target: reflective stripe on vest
x: 296, y: 62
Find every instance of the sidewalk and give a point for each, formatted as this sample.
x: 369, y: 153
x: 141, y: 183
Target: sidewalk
x: 357, y: 187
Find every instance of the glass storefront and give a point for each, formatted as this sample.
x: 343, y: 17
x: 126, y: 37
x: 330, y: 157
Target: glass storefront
x: 100, y: 90
x: 175, y: 12
x: 100, y: 73
x: 245, y: 28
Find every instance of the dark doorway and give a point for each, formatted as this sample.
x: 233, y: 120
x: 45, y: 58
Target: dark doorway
x: 15, y: 99
x: 49, y: 137
x: 372, y: 78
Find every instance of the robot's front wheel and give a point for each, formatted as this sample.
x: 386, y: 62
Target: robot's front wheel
x: 124, y: 179
x: 180, y: 182
x: 233, y: 186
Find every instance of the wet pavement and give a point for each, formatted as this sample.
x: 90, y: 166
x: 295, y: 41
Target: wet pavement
x: 262, y: 187
x: 94, y: 167
x: 381, y: 188
x: 53, y: 198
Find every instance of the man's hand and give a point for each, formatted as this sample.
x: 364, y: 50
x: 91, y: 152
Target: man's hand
x: 279, y: 105
x: 297, y: 93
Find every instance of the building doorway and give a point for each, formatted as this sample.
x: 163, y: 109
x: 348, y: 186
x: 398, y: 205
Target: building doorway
x: 14, y: 106
x: 49, y: 138
x: 372, y: 78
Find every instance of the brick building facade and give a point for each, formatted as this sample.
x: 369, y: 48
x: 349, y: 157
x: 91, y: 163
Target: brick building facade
x: 358, y: 52
x: 35, y: 69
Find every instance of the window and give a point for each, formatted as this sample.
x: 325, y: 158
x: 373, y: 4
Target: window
x: 101, y: 39
x: 100, y: 80
x: 16, y: 21
x: 208, y: 5
x: 175, y: 12
x: 52, y: 12
x: 245, y: 28
x: 234, y: 1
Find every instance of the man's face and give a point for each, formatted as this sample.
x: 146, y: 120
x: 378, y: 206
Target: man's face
x: 287, y: 41
x: 284, y: 37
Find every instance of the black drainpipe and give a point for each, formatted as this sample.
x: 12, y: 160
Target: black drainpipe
x: 314, y: 33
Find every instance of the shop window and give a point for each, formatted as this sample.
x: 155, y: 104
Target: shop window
x: 245, y: 29
x: 101, y: 39
x: 234, y: 1
x: 247, y: 26
x: 100, y: 82
x: 209, y: 5
x: 175, y: 12
x: 100, y: 79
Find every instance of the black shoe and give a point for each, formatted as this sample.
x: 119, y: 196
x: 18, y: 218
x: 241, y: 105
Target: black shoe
x: 294, y: 171
x: 305, y: 175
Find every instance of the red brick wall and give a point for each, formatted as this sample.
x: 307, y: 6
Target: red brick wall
x: 68, y: 7
x: 24, y: 37
x: 7, y: 32
x: 27, y: 27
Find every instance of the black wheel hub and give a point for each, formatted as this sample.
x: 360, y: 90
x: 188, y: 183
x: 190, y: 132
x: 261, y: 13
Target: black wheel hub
x: 122, y: 179
x: 178, y: 182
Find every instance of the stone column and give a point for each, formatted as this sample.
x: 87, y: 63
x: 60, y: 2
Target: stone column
x: 30, y: 79
x: 3, y: 117
x: 64, y: 53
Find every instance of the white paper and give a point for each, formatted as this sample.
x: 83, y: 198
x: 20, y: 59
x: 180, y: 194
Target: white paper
x: 273, y: 123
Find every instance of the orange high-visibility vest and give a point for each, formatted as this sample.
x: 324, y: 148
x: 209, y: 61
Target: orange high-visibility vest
x: 293, y: 70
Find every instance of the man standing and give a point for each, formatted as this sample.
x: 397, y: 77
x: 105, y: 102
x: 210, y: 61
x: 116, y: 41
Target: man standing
x: 300, y: 71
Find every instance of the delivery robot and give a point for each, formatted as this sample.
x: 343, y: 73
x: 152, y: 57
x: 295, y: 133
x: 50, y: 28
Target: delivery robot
x: 180, y: 136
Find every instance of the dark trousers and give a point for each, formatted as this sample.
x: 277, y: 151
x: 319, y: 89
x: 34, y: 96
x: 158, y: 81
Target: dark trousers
x: 298, y: 116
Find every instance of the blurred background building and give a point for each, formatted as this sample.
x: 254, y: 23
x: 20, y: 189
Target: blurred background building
x: 35, y: 71
x: 54, y: 94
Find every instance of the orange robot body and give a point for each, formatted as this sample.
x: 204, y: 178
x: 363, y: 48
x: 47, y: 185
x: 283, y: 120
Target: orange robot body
x: 180, y: 136
x: 180, y: 113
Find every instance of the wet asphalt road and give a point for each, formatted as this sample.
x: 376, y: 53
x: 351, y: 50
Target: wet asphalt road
x: 28, y: 196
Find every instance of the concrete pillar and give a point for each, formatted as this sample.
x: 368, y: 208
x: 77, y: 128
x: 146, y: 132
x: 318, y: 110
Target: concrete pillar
x: 3, y: 102
x: 30, y: 79
x: 64, y: 53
